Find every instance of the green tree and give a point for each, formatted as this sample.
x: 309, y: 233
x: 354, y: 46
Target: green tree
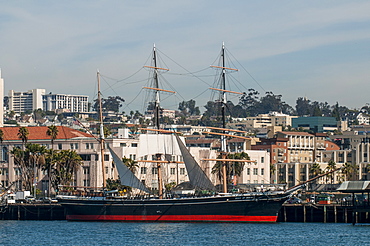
x: 131, y: 164
x: 109, y: 104
x: 23, y: 134
x: 331, y: 167
x: 188, y: 108
x: 29, y: 161
x: 52, y: 132
x: 350, y: 171
x: 1, y: 136
x: 315, y: 169
x: 66, y: 164
x: 303, y: 106
x: 39, y: 114
x: 233, y: 168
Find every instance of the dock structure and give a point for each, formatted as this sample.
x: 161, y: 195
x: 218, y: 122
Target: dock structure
x: 329, y: 213
x: 359, y: 191
x: 26, y: 211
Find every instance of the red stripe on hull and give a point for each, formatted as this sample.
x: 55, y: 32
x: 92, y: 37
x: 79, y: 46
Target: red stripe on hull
x: 174, y: 218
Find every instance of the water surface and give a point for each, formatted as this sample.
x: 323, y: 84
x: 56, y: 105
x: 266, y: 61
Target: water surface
x: 115, y: 233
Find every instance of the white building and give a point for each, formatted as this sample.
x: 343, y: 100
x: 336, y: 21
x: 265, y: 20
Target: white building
x: 70, y: 103
x: 20, y: 102
x: 257, y: 172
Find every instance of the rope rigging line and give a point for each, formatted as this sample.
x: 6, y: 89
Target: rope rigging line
x: 248, y: 72
x: 189, y: 72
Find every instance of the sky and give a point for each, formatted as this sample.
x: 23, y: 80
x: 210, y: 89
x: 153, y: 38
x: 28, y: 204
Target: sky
x: 315, y: 49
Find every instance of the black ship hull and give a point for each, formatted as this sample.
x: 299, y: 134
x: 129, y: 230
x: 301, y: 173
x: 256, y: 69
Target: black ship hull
x: 242, y: 208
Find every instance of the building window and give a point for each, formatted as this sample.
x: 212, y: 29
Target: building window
x: 86, y: 170
x: 134, y: 145
x: 143, y: 170
x: 87, y: 145
x: 4, y: 171
x: 262, y: 159
x: 255, y: 171
x: 154, y: 170
x: 122, y: 144
x: 262, y: 171
x: 17, y: 171
x: 173, y: 171
x: 106, y: 170
x: 248, y: 171
x: 60, y: 146
x: 182, y: 171
x: 132, y: 157
x: 106, y: 157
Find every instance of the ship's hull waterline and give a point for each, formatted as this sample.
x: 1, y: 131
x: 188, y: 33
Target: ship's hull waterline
x: 209, y: 209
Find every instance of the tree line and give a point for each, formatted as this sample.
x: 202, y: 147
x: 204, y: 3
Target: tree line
x: 59, y: 165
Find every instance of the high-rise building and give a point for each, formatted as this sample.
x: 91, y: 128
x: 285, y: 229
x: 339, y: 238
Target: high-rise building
x: 71, y: 103
x: 20, y: 102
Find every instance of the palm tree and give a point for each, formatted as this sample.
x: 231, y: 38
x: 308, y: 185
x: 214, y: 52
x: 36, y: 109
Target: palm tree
x: 1, y: 149
x: 235, y: 169
x: 66, y: 164
x: 350, y: 171
x: 315, y: 170
x: 23, y: 134
x: 1, y: 136
x: 29, y: 160
x: 331, y: 167
x: 131, y: 164
x: 52, y: 132
x: 272, y: 171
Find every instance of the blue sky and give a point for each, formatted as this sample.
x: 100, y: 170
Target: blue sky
x: 314, y: 49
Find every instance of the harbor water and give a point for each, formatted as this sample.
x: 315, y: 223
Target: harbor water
x: 115, y: 233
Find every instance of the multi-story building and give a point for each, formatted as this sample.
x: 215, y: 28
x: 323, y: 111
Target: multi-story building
x: 84, y: 144
x: 277, y: 147
x: 279, y: 119
x: 301, y: 146
x: 20, y: 102
x: 316, y: 124
x: 70, y: 103
x: 258, y: 171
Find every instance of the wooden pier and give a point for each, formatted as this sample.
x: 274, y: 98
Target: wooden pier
x: 25, y: 211
x: 329, y: 213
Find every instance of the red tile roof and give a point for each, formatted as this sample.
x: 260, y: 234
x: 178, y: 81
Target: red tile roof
x: 39, y: 133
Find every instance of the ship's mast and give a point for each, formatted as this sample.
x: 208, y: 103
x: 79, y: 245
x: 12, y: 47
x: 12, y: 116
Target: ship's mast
x: 223, y: 108
x: 157, y: 108
x: 102, y: 142
x: 156, y: 85
x: 223, y: 100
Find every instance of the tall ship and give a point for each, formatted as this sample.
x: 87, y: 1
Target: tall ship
x: 207, y: 206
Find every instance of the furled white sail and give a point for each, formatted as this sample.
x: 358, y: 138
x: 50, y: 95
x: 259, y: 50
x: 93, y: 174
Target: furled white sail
x: 196, y: 175
x: 126, y: 176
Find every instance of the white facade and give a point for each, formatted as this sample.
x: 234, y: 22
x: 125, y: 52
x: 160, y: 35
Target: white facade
x: 20, y: 102
x: 257, y: 172
x: 71, y: 103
